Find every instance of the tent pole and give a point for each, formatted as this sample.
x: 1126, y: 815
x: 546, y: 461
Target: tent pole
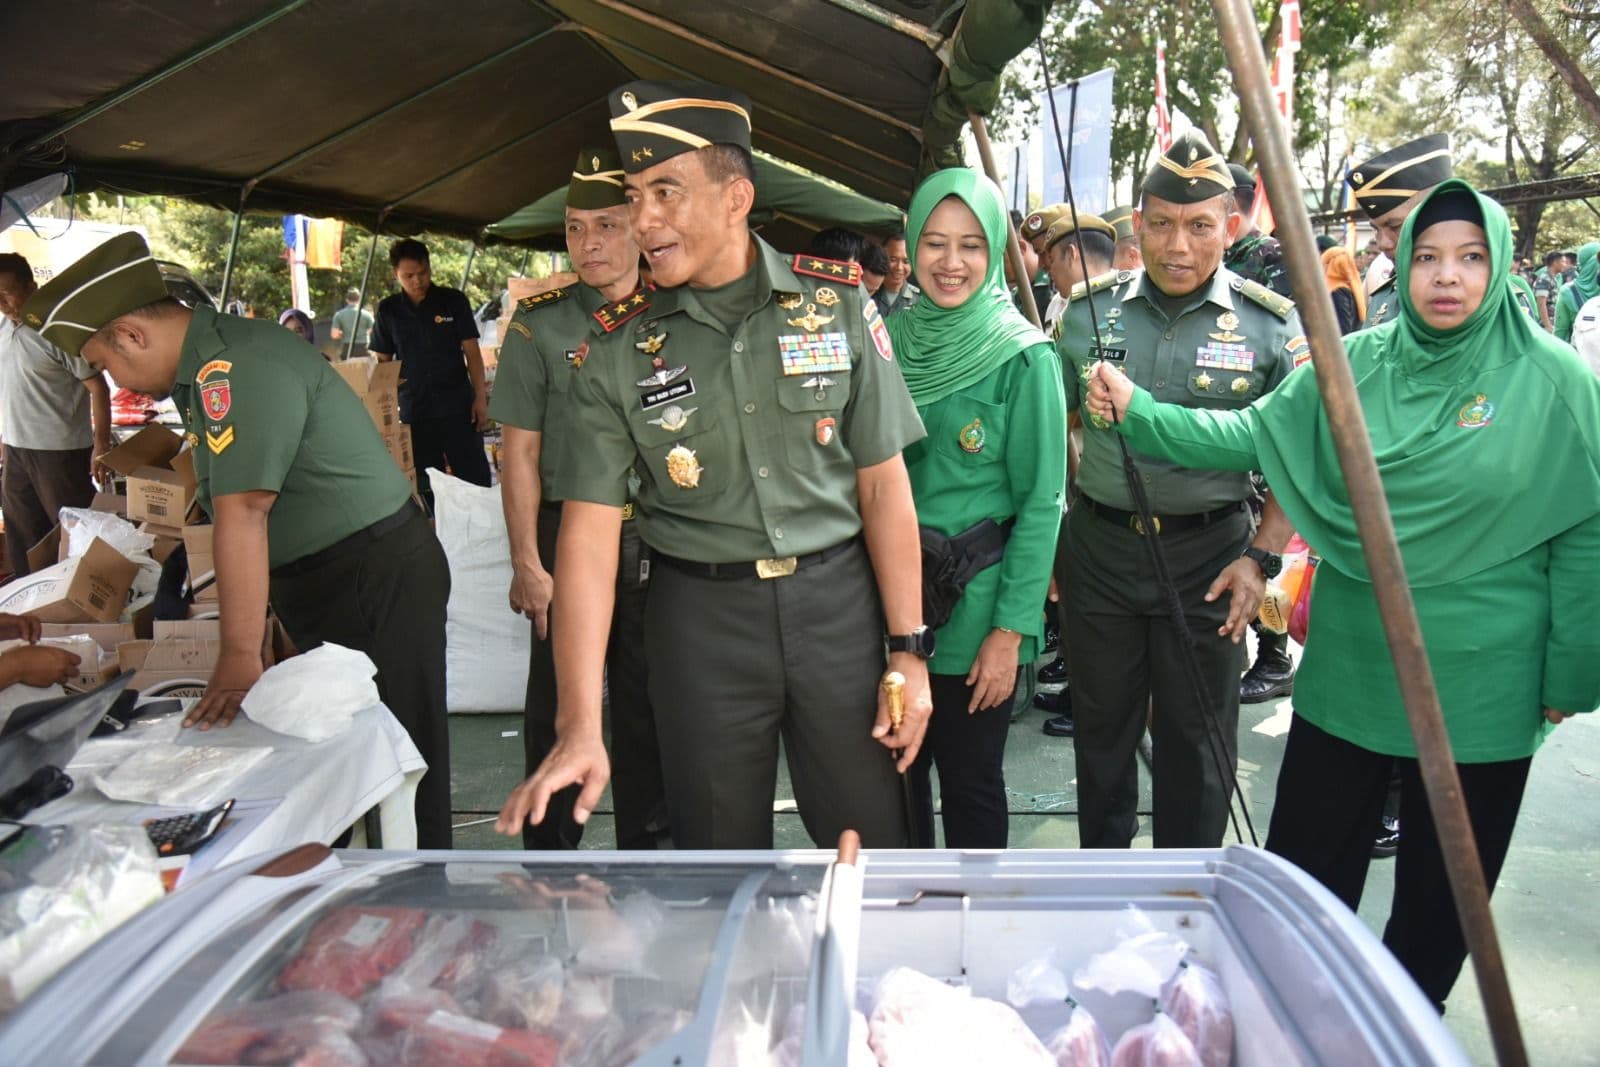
x: 980, y: 132
x: 522, y: 268
x: 466, y: 272
x: 366, y: 276
x: 873, y: 13
x: 233, y: 250
x: 1242, y: 41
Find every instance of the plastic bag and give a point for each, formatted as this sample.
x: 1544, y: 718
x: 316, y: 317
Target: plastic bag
x: 314, y: 695
x: 449, y: 954
x: 1158, y: 1043
x: 1040, y: 993
x: 1300, y: 616
x: 1142, y: 961
x: 917, y: 1021
x: 277, y: 1030
x: 179, y: 776
x: 62, y: 888
x: 1195, y: 1001
x: 351, y: 948
x: 523, y: 992
x: 1081, y: 1042
x: 788, y: 1052
x: 623, y: 937
x: 80, y: 526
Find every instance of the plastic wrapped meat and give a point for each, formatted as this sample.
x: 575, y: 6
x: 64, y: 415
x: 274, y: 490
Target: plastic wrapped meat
x: 449, y: 953
x: 281, y: 1029
x: 429, y: 1029
x: 349, y: 950
x: 1195, y: 1001
x: 918, y: 1021
x: 1158, y: 1043
x: 523, y: 992
x: 332, y: 1048
x: 1081, y: 1042
x: 789, y: 1050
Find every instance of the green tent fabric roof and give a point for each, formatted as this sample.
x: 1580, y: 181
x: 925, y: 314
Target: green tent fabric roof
x: 790, y: 206
x: 451, y: 117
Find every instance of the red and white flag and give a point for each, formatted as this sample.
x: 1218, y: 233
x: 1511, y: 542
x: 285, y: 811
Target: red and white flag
x: 1163, y: 116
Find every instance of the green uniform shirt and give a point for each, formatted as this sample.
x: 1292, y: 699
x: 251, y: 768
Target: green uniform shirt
x: 1382, y: 305
x: 746, y: 443
x: 1233, y: 341
x: 264, y: 410
x: 994, y: 451
x: 535, y: 375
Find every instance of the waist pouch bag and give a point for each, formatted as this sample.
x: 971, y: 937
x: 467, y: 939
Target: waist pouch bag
x: 949, y: 563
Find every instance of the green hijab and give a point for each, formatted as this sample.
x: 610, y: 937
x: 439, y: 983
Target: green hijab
x: 1486, y: 435
x: 943, y: 350
x: 1587, y: 286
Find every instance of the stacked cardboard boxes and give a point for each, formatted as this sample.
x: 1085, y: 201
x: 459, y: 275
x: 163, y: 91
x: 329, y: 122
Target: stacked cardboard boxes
x: 378, y: 386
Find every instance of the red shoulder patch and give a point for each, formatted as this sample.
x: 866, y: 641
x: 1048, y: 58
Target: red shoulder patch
x: 836, y: 270
x: 613, y: 315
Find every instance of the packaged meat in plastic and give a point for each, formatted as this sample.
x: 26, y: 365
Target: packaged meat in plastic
x: 621, y: 936
x: 919, y: 1021
x: 276, y: 1030
x: 1195, y: 1001
x: 428, y: 1029
x: 332, y: 1048
x: 1142, y: 961
x: 1039, y: 991
x: 790, y: 1049
x: 350, y: 949
x: 522, y: 992
x: 448, y: 953
x: 1081, y: 1042
x: 1158, y: 1043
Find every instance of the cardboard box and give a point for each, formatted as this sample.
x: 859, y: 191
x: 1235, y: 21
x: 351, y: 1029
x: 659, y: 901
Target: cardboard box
x: 187, y: 629
x: 92, y: 588
x: 378, y: 386
x: 202, y: 564
x: 173, y: 666
x: 398, y: 441
x: 52, y: 547
x: 162, y: 495
x: 96, y: 665
x: 108, y: 635
x: 153, y: 446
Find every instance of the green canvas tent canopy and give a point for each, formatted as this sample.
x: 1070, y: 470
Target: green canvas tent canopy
x: 418, y: 115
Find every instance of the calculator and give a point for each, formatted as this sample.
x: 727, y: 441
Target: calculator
x: 180, y: 835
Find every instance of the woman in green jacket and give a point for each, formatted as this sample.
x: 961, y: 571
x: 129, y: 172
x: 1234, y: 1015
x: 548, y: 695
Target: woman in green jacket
x: 1576, y: 293
x: 1487, y: 437
x: 991, y: 472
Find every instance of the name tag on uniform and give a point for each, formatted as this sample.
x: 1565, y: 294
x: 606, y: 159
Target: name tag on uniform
x: 1112, y: 355
x: 1223, y: 356
x: 676, y: 391
x: 814, y: 353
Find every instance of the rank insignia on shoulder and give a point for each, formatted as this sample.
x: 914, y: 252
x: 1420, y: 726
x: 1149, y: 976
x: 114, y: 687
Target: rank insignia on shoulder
x: 613, y: 315
x: 1095, y: 284
x: 832, y: 269
x: 1257, y: 293
x: 549, y: 296
x: 517, y: 327
x: 219, y: 442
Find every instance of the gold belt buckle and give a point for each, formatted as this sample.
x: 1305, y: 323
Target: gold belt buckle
x: 1138, y: 524
x: 627, y: 511
x: 777, y: 568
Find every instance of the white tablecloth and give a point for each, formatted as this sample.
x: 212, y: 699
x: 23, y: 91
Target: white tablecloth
x: 322, y: 787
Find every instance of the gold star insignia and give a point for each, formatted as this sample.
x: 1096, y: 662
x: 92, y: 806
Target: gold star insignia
x: 816, y: 264
x: 636, y: 155
x: 638, y: 298
x: 621, y: 308
x: 648, y: 154
x: 836, y: 268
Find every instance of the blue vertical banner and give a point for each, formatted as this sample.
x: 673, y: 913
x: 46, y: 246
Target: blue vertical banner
x: 1085, y: 130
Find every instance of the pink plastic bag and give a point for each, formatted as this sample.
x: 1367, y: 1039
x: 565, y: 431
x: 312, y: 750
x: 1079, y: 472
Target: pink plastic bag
x: 1158, y: 1043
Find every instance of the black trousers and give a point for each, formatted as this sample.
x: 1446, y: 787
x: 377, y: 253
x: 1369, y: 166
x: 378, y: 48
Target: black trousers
x: 968, y: 751
x: 452, y: 443
x: 734, y: 664
x: 35, y: 486
x: 1330, y: 794
x: 387, y: 599
x: 637, y: 793
x: 1125, y: 655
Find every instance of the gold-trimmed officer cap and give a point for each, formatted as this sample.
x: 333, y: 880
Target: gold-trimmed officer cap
x: 113, y: 279
x: 1390, y: 178
x: 654, y: 121
x: 1121, y: 219
x: 596, y: 180
x: 1039, y: 221
x: 1190, y: 171
x: 1063, y: 227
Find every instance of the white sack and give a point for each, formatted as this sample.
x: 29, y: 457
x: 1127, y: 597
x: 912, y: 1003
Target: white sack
x: 313, y: 695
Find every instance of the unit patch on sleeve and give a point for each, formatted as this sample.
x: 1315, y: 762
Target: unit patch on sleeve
x: 878, y: 331
x: 216, y: 397
x: 216, y: 366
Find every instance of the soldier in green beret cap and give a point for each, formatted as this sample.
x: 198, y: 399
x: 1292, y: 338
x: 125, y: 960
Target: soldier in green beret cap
x: 311, y: 512
x: 1126, y: 256
x: 1067, y: 267
x: 549, y: 335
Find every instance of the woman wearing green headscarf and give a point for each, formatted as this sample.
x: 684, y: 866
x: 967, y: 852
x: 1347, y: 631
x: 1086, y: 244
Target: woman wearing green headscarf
x: 1486, y: 432
x: 1579, y: 292
x: 990, y: 475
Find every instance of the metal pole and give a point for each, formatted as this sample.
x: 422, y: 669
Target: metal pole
x: 466, y: 272
x: 361, y: 302
x: 897, y: 23
x: 522, y: 270
x: 233, y: 249
x: 980, y: 131
x: 1242, y: 41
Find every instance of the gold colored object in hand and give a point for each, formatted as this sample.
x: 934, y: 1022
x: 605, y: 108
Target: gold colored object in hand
x: 894, y: 686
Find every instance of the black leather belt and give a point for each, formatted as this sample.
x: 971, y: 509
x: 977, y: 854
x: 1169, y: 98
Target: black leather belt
x: 1165, y: 524
x: 364, y: 536
x: 781, y: 567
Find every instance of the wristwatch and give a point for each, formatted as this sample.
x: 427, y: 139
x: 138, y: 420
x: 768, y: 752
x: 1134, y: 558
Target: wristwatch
x: 1269, y: 562
x: 918, y: 642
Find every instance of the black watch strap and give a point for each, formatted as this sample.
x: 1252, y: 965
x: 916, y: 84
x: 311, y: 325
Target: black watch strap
x: 918, y: 642
x: 1269, y: 562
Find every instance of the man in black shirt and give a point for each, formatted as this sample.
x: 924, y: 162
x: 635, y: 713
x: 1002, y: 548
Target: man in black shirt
x: 430, y: 329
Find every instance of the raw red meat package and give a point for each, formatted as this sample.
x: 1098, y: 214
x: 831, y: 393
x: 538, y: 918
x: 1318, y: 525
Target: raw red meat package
x: 350, y: 949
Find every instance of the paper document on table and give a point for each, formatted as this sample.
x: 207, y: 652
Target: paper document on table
x: 179, y: 776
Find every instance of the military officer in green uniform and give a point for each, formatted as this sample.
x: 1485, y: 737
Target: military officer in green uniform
x: 1127, y: 256
x: 1388, y: 187
x: 1254, y: 256
x: 531, y: 401
x: 756, y: 397
x: 311, y: 512
x: 1193, y: 332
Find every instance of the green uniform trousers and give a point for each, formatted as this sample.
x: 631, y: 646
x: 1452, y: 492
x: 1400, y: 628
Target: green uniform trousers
x: 637, y: 794
x: 386, y: 597
x: 1124, y: 658
x: 735, y: 663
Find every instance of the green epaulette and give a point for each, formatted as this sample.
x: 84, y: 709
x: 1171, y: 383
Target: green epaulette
x: 537, y: 300
x: 1257, y: 293
x: 1097, y: 283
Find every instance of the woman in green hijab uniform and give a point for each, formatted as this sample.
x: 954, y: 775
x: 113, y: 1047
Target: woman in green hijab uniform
x: 1486, y: 432
x: 1579, y: 292
x: 988, y: 482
